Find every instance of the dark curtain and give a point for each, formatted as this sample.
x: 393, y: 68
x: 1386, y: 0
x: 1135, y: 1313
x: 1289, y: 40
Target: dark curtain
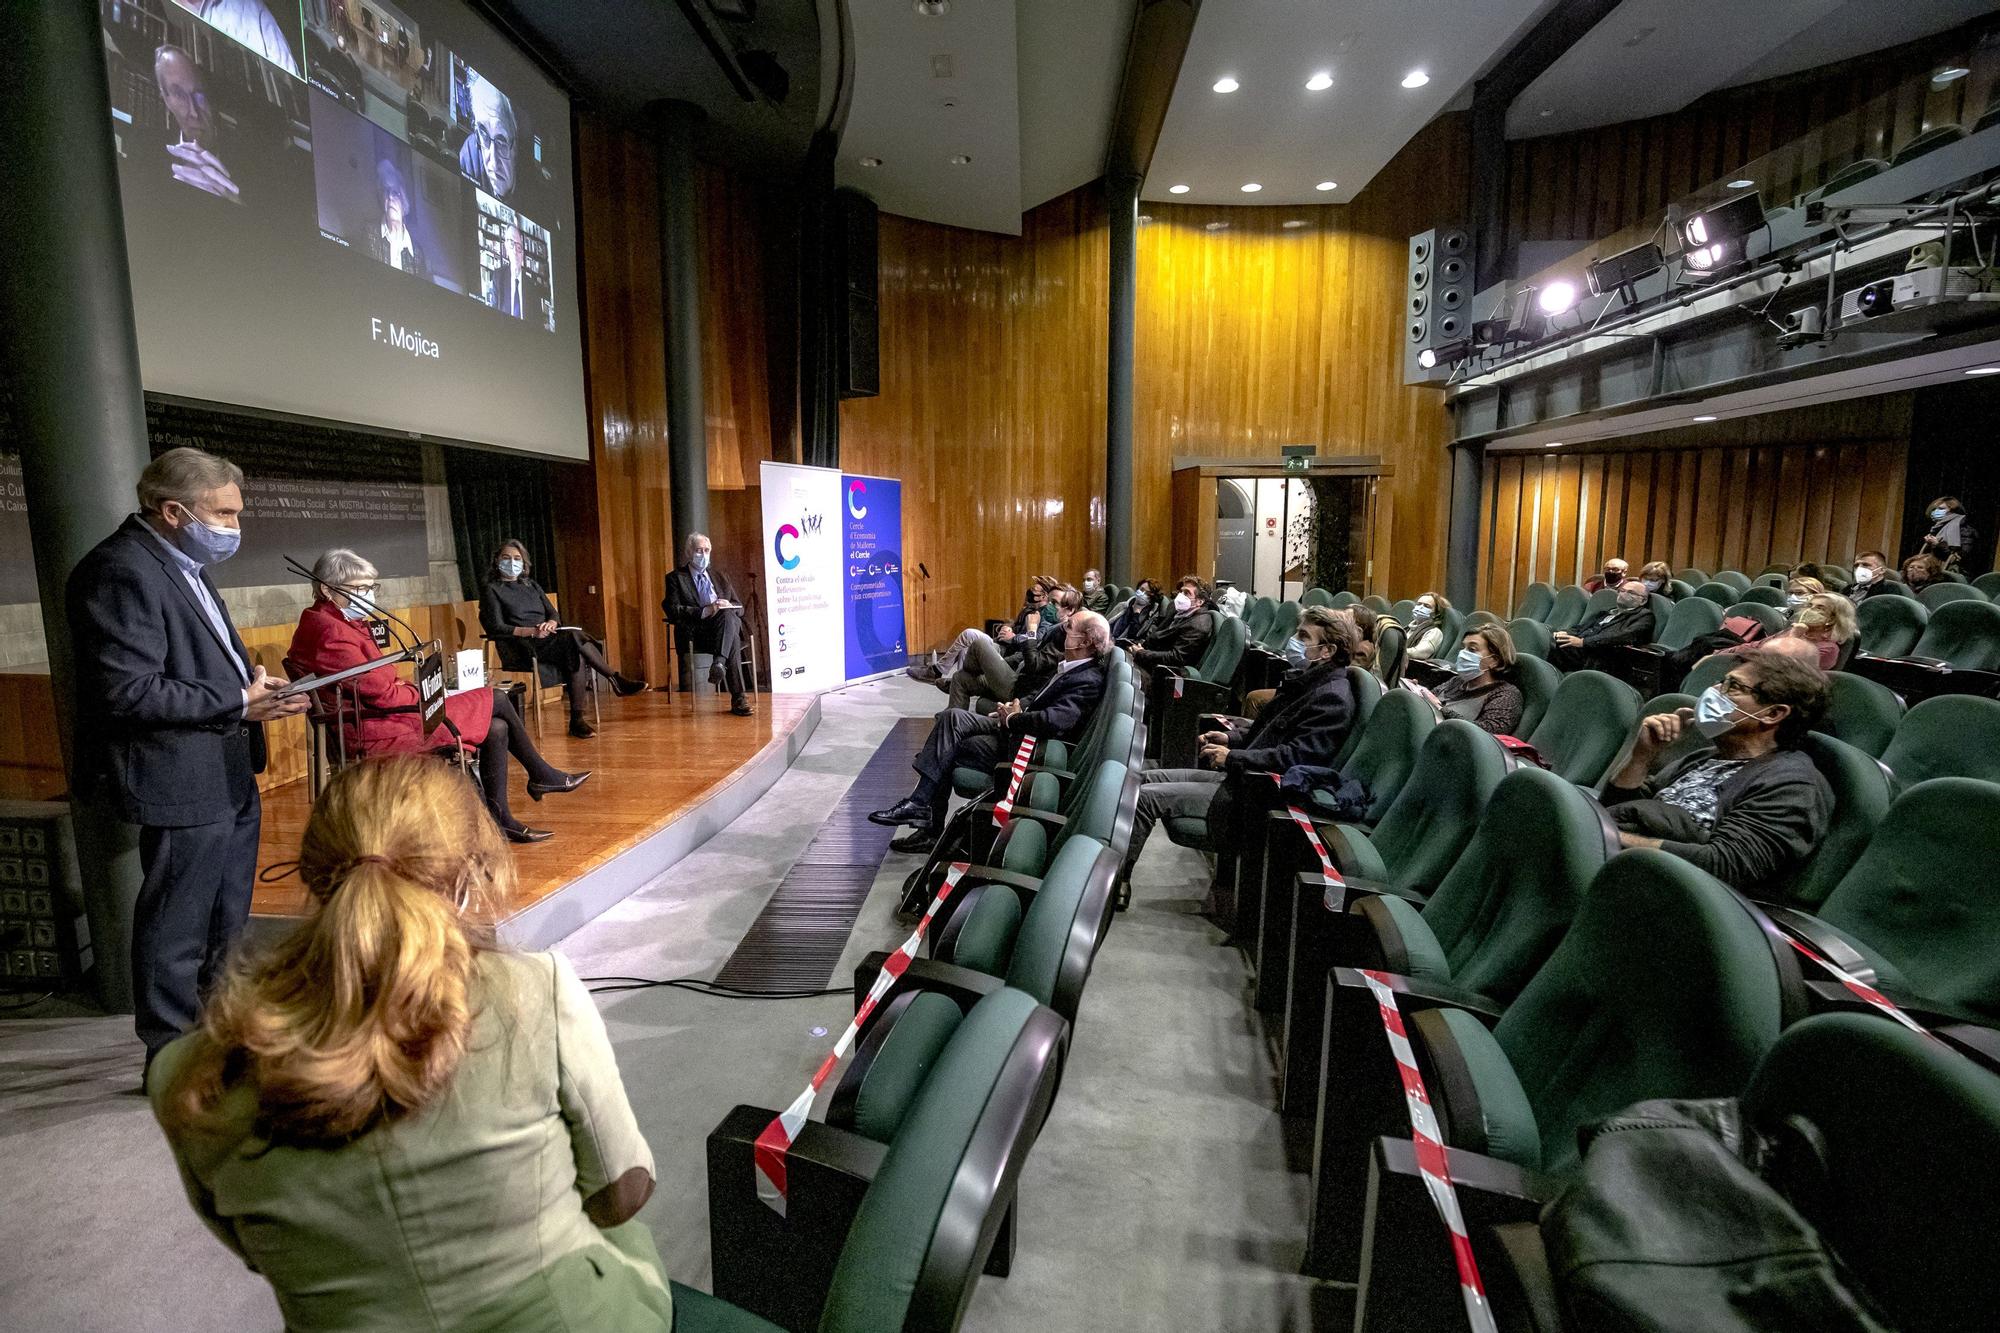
x: 821, y: 303
x: 496, y: 496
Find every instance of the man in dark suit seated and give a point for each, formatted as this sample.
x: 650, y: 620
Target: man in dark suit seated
x: 1306, y: 722
x: 1179, y: 641
x: 961, y: 738
x: 707, y: 618
x: 1589, y: 645
x: 169, y: 714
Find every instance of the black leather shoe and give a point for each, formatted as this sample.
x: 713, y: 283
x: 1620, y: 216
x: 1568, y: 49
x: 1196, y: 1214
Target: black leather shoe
x: 625, y: 686
x: 909, y: 810
x: 740, y: 707
x: 522, y: 833
x: 569, y: 783
x: 919, y: 839
x: 580, y: 729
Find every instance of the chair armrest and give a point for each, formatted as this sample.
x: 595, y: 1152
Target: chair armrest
x: 1337, y: 897
x: 1414, y: 993
x: 1829, y: 943
x: 1497, y: 1182
x: 1061, y: 775
x: 781, y: 1267
x: 1048, y: 819
x: 961, y: 985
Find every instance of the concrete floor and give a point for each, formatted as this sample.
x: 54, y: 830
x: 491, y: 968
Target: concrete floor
x: 1157, y: 1198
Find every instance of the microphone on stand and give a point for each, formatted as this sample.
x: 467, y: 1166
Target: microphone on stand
x: 416, y: 641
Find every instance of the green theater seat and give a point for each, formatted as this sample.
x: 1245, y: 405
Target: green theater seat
x: 1587, y: 723
x: 1316, y: 597
x: 1890, y: 626
x: 1382, y: 759
x: 1936, y: 595
x: 1567, y: 608
x: 880, y: 1237
x: 1367, y: 693
x: 1536, y: 601
x: 1862, y: 792
x: 1861, y: 712
x: 1763, y: 594
x: 1531, y: 637
x: 1964, y: 635
x: 1342, y: 600
x: 1666, y: 985
x: 1953, y: 735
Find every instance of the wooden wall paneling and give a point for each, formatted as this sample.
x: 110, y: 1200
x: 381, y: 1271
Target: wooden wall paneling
x: 1817, y: 503
x: 735, y: 370
x: 1505, y: 579
x: 1788, y: 520
x: 1758, y: 543
x: 1568, y: 512
x: 1706, y: 507
x: 1638, y: 508
x: 992, y: 408
x: 1844, y: 536
x: 1686, y: 496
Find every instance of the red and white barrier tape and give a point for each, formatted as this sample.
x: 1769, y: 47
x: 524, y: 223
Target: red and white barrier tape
x: 1003, y: 810
x: 1305, y: 824
x: 1431, y: 1156
x: 778, y: 1136
x: 1180, y: 683
x: 1861, y: 988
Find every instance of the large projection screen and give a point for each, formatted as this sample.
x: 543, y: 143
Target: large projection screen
x: 352, y: 210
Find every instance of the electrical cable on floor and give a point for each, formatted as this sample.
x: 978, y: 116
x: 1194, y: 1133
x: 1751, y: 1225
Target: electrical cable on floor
x: 701, y: 987
x: 276, y: 871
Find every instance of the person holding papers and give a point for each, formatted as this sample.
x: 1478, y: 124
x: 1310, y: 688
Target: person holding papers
x: 333, y: 635
x: 521, y: 620
x: 169, y: 727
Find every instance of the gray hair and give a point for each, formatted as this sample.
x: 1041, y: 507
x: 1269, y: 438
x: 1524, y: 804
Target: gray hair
x: 1096, y: 631
x: 188, y: 476
x: 489, y: 103
x: 687, y: 547
x: 343, y: 568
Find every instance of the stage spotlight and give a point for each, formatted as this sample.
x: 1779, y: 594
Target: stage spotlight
x: 1556, y: 298
x: 1717, y: 238
x: 1618, y: 273
x: 1489, y: 332
x: 1445, y: 354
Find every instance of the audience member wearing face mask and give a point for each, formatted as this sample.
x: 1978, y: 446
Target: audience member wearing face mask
x: 1141, y: 609
x: 993, y: 672
x: 1427, y: 617
x: 1871, y: 571
x: 1629, y: 621
x: 1920, y: 571
x: 1306, y: 722
x: 1951, y: 536
x: 1613, y: 575
x: 1179, y: 642
x: 1823, y: 621
x: 1096, y: 597
x: 1746, y: 805
x: 1482, y: 689
x: 1658, y: 577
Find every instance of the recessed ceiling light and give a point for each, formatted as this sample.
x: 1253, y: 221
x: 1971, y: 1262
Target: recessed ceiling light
x: 1225, y: 84
x: 871, y: 161
x: 1416, y: 78
x: 1319, y: 82
x: 1704, y: 418
x: 1251, y: 187
x: 1177, y: 189
x: 1949, y: 74
x: 1553, y: 444
x: 1327, y: 185
x: 1292, y: 224
x: 1145, y: 218
x: 1742, y: 183
x: 961, y: 159
x: 1984, y: 370
x: 1218, y: 226
x: 1546, y: 112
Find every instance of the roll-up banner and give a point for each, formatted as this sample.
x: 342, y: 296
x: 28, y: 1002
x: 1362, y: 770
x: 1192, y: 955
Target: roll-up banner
x: 833, y: 576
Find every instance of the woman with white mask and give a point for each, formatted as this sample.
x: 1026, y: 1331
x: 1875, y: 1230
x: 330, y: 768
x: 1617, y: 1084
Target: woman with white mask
x: 1482, y: 690
x: 1427, y: 619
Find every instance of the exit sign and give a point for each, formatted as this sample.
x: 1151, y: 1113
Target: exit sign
x: 1302, y: 463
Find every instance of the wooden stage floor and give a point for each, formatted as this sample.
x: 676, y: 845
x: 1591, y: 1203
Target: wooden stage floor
x: 656, y: 757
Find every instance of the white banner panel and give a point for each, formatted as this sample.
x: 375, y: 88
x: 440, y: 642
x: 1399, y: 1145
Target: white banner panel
x: 804, y: 578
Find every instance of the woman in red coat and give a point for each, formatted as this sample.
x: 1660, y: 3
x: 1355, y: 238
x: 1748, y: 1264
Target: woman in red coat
x: 333, y: 635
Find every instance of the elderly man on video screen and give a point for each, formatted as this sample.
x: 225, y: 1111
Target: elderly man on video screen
x: 488, y: 153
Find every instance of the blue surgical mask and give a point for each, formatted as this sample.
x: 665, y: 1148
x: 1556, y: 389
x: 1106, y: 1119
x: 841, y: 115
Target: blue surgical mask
x: 1138, y: 601
x: 1713, y: 712
x: 353, y: 612
x: 1938, y: 514
x: 1794, y: 600
x: 1467, y: 663
x: 208, y: 544
x: 1654, y: 585
x: 700, y: 562
x: 1420, y: 612
x: 510, y: 568
x: 1090, y: 585
x: 1295, y: 651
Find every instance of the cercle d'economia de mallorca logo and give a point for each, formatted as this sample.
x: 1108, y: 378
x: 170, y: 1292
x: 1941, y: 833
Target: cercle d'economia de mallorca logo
x: 808, y: 522
x: 856, y: 490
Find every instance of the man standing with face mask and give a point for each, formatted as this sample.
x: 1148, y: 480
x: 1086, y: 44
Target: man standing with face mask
x: 169, y: 726
x: 1749, y: 806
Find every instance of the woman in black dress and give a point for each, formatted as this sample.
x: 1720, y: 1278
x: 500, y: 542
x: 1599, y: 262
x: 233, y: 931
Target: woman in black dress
x: 516, y: 613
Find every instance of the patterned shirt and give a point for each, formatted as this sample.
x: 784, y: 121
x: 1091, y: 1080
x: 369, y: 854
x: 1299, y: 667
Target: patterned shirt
x: 1694, y: 791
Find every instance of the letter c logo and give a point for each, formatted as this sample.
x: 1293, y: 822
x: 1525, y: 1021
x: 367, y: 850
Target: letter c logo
x: 778, y: 547
x: 857, y: 510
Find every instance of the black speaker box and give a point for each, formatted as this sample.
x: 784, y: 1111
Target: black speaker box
x: 1438, y: 299
x: 856, y: 312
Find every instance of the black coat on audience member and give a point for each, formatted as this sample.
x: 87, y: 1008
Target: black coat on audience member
x: 1616, y: 628
x: 1060, y: 708
x: 1306, y: 722
x: 1179, y: 643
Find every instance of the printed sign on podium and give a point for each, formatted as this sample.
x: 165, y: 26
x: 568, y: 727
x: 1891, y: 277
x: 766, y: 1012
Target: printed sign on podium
x: 833, y: 576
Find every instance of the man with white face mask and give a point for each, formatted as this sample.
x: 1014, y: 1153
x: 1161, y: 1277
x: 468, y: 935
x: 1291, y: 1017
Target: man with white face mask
x: 1871, y: 571
x: 1181, y: 641
x: 169, y: 708
x: 707, y: 617
x: 1748, y: 807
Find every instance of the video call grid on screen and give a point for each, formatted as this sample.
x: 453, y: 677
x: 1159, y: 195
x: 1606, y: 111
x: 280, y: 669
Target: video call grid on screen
x: 352, y: 210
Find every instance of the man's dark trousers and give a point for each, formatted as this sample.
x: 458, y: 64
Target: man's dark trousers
x: 960, y: 738
x: 722, y: 635
x: 194, y: 900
